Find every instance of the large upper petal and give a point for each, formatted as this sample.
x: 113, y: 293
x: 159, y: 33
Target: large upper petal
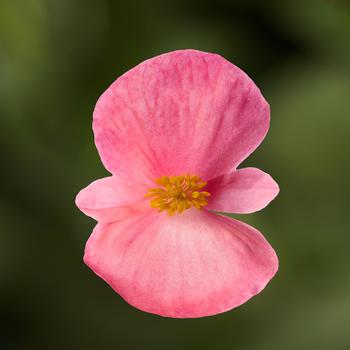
x: 243, y: 191
x: 190, y: 265
x: 112, y: 198
x: 182, y: 112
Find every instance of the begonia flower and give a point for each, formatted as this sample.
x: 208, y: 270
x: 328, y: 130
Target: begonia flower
x: 172, y: 132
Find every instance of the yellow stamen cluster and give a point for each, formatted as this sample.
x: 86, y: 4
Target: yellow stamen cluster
x: 178, y: 193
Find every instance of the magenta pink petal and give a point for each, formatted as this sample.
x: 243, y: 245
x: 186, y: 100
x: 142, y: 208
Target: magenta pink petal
x: 190, y: 265
x: 112, y: 198
x: 242, y: 191
x: 181, y: 112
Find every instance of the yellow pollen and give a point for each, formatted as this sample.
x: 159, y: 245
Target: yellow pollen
x: 178, y: 193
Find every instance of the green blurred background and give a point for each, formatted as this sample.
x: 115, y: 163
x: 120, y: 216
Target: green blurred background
x: 57, y: 57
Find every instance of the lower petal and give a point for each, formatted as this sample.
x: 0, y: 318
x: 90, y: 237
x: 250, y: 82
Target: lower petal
x: 190, y: 265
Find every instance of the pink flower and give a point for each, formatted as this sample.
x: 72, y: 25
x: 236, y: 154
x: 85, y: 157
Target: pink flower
x: 172, y: 132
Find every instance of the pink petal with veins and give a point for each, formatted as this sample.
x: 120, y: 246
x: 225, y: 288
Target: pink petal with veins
x: 182, y: 112
x: 190, y: 265
x: 242, y: 191
x: 112, y: 198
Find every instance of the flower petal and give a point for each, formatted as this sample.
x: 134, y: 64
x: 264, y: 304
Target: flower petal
x: 242, y: 191
x: 181, y: 112
x: 112, y: 198
x: 190, y: 265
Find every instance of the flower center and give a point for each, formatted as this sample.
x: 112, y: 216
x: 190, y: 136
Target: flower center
x: 177, y: 193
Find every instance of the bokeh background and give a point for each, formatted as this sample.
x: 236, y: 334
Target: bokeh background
x: 57, y: 57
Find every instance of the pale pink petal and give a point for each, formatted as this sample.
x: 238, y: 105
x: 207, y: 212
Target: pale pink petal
x: 181, y: 112
x: 112, y: 198
x: 242, y: 191
x: 190, y: 265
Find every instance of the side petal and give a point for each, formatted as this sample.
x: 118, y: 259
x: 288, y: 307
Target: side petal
x: 182, y: 112
x: 190, y: 265
x: 112, y: 198
x: 242, y: 191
